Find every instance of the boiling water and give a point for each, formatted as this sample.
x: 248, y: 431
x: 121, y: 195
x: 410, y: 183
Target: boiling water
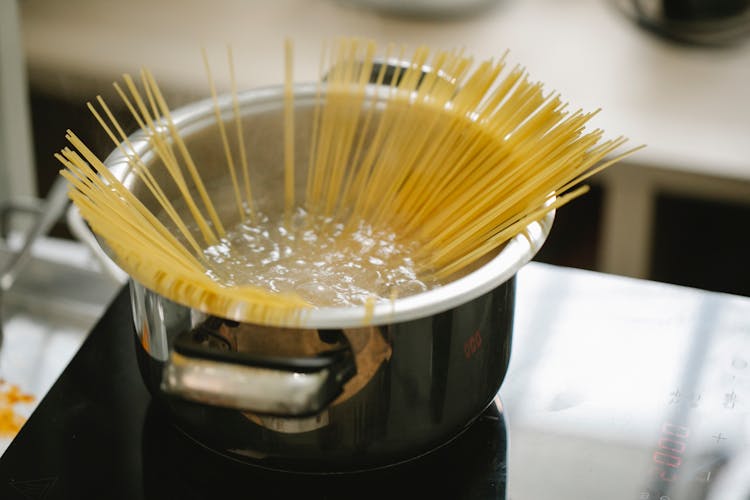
x: 317, y: 259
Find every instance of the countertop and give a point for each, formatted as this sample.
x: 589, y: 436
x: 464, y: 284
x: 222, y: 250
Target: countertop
x: 688, y: 104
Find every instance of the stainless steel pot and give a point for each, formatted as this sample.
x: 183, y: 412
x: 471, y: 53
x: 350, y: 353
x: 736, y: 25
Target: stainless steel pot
x: 702, y: 22
x: 334, y: 394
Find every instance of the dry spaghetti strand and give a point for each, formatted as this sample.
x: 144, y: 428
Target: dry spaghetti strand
x: 224, y: 138
x: 240, y: 136
x: 288, y: 132
x: 168, y: 158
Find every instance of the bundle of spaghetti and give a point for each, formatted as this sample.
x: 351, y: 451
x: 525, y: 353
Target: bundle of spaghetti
x: 455, y: 156
x: 458, y: 160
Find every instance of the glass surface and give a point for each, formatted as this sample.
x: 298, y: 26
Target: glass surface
x: 624, y: 389
x: 617, y: 389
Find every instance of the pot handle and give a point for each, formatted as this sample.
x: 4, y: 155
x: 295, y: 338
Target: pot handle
x: 205, y: 368
x: 394, y: 68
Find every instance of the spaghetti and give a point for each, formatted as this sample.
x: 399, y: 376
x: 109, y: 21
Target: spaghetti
x: 443, y: 159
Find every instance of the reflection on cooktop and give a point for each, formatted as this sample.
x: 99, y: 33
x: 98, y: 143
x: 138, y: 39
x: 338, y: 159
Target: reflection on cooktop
x: 472, y: 466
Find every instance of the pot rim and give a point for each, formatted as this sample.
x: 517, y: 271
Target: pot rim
x: 517, y: 252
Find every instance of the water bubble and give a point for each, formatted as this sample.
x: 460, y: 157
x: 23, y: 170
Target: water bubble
x: 313, y: 289
x: 410, y: 287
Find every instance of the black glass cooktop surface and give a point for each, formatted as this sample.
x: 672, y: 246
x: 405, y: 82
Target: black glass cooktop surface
x: 97, y: 434
x: 617, y: 388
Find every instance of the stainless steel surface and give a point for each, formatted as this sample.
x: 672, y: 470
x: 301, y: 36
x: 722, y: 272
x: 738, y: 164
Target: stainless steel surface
x: 428, y: 9
x: 434, y: 337
x: 50, y: 210
x: 244, y: 387
x: 477, y: 303
x: 48, y: 313
x: 703, y: 22
x: 417, y: 385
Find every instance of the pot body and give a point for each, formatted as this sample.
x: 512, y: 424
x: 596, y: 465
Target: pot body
x: 337, y: 392
x: 700, y: 22
x: 418, y: 384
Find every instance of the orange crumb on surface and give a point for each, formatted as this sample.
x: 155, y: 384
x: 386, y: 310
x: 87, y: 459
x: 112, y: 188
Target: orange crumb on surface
x: 10, y: 396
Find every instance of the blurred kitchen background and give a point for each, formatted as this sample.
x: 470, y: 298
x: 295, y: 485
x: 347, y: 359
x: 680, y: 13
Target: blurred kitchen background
x: 676, y: 80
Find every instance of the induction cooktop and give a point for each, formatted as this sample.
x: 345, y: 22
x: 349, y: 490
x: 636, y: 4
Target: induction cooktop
x: 617, y: 388
x: 98, y: 434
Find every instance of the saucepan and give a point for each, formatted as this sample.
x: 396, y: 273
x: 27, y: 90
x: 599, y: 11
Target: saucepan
x: 338, y: 393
